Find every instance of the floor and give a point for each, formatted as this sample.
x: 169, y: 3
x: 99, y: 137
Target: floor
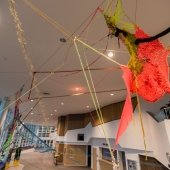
x: 43, y: 161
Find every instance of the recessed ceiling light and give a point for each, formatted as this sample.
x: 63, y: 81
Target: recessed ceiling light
x: 62, y: 103
x: 32, y: 113
x: 77, y: 94
x: 32, y: 100
x: 87, y: 106
x: 31, y: 108
x: 112, y: 94
x: 110, y: 54
x: 55, y: 110
x: 77, y: 88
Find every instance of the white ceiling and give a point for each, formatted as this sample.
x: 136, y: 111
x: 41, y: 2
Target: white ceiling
x: 47, y: 53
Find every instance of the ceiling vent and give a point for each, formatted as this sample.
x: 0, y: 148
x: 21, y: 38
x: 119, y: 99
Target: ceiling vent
x: 46, y: 93
x: 63, y: 40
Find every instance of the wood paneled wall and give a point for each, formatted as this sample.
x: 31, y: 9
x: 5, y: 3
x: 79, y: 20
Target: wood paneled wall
x: 75, y: 155
x: 150, y: 164
x: 94, y: 155
x: 77, y: 121
x: 105, y: 165
x: 70, y: 122
x: 61, y: 125
x: 59, y: 151
x: 110, y: 112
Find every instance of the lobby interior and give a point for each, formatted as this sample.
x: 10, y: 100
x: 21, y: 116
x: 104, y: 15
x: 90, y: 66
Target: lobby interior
x: 84, y: 85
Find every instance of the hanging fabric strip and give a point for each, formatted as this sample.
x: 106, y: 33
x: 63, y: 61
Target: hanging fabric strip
x: 128, y: 109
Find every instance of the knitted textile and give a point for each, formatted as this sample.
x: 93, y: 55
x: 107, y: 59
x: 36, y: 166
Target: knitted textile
x: 152, y: 82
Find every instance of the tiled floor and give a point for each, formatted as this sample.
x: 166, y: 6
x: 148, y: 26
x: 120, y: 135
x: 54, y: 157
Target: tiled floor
x: 43, y: 161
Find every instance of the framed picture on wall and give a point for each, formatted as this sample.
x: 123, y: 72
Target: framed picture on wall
x: 131, y: 165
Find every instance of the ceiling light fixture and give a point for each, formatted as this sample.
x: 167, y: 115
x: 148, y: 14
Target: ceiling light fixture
x: 32, y: 100
x: 62, y: 103
x: 32, y: 113
x: 87, y: 106
x: 111, y: 54
x: 112, y: 94
x: 55, y: 110
x: 77, y: 94
x: 77, y: 88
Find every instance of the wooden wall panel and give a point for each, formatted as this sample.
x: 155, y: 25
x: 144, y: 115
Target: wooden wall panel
x: 59, y: 151
x: 61, y: 125
x: 110, y: 112
x: 94, y: 156
x: 87, y: 119
x: 75, y: 155
x: 77, y: 121
x: 70, y: 122
x: 105, y: 165
x: 150, y: 164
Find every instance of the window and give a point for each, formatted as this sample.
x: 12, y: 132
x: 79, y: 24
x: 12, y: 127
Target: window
x: 80, y: 137
x: 106, y: 155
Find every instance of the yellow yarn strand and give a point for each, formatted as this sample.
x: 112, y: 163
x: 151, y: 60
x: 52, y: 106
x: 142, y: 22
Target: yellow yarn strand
x: 134, y: 125
x: 94, y: 102
x: 108, y: 7
x: 98, y: 52
x: 22, y: 42
x: 99, y: 112
x: 141, y: 121
x: 140, y: 116
x: 47, y: 18
x: 40, y: 82
x: 100, y: 118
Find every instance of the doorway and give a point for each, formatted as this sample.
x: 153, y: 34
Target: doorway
x: 89, y: 156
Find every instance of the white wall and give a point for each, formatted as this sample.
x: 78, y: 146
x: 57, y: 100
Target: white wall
x: 160, y: 142
x: 132, y: 138
x: 167, y: 127
x: 97, y: 156
x: 157, y: 136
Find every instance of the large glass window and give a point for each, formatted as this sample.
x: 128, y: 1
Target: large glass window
x: 44, y: 131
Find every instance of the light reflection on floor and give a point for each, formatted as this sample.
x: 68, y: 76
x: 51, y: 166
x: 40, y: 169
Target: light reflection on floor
x: 41, y: 161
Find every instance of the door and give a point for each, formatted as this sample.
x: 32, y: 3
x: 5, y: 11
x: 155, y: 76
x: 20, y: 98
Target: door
x: 94, y: 159
x: 89, y: 156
